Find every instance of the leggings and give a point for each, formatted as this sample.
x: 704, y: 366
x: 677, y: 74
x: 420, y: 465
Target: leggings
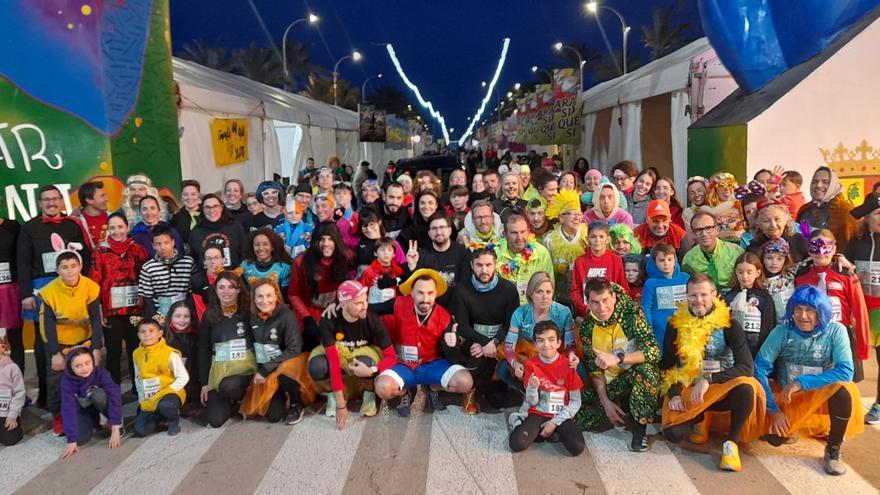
x: 9, y: 438
x: 16, y: 347
x: 220, y: 401
x: 839, y: 411
x: 277, y: 406
x: 525, y: 434
x: 120, y: 330
x: 167, y: 409
x: 42, y: 362
x: 739, y: 401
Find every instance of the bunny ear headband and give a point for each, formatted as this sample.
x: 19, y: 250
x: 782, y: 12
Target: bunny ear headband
x: 72, y: 247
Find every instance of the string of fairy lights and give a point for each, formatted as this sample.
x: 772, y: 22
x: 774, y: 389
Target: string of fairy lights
x: 430, y: 107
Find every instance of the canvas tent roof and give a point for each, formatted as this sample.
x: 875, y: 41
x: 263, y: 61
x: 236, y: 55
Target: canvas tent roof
x: 200, y: 85
x: 740, y: 108
x: 661, y: 76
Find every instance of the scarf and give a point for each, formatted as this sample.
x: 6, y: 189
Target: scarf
x: 690, y: 343
x: 834, y: 187
x: 58, y: 219
x: 119, y: 248
x: 487, y: 287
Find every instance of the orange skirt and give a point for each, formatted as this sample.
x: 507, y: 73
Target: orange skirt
x: 808, y: 411
x: 256, y: 400
x: 719, y: 421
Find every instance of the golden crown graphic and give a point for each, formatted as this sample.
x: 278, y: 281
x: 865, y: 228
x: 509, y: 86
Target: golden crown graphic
x: 863, y: 160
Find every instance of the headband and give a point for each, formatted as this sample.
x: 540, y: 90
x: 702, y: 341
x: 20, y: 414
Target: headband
x: 778, y: 246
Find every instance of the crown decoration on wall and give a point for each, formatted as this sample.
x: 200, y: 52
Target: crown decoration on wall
x: 863, y: 160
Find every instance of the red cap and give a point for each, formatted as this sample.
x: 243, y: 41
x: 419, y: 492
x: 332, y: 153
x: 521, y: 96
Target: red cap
x: 658, y: 208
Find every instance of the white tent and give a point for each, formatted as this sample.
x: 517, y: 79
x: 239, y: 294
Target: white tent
x: 284, y: 128
x: 644, y: 115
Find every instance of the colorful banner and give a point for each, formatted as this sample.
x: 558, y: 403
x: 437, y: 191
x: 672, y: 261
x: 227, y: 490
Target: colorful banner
x: 544, y: 125
x: 397, y: 133
x: 229, y: 139
x: 566, y: 106
x: 371, y: 124
x: 100, y: 104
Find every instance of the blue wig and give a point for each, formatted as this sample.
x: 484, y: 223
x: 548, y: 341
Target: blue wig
x: 807, y: 295
x: 270, y: 184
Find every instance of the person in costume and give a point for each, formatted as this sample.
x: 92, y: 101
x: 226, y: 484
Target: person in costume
x: 567, y: 241
x: 664, y: 290
x: 265, y: 257
x: 426, y: 341
x: 621, y: 357
x: 608, y: 208
x: 137, y: 187
x: 482, y: 226
x: 861, y: 250
x: 294, y: 230
x: 520, y: 256
x: 724, y: 207
x: 623, y: 240
x: 160, y: 377
x: 227, y: 360
x: 270, y: 194
x: 382, y: 276
x: 812, y: 392
x: 281, y: 386
x: 553, y: 394
x: 828, y: 207
x: 707, y: 368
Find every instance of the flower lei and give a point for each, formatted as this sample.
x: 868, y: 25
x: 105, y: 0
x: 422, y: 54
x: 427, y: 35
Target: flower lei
x: 693, y: 332
x: 511, y: 267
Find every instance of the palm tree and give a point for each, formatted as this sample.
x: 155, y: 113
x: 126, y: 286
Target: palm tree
x: 587, y: 53
x: 203, y: 53
x: 605, y: 68
x: 392, y: 100
x: 258, y: 63
x: 320, y: 87
x: 662, y: 38
x: 299, y: 63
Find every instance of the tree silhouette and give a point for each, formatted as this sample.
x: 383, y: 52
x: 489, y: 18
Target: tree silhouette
x: 588, y: 54
x: 320, y: 87
x: 604, y: 68
x: 392, y: 100
x: 258, y: 63
x: 661, y: 37
x: 203, y: 53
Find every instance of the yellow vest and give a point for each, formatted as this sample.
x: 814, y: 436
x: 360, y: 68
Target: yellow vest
x: 70, y: 305
x: 155, y: 374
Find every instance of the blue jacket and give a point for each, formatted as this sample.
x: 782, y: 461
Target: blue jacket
x: 657, y: 297
x: 73, y: 386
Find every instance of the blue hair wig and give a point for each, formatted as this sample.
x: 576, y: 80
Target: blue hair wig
x: 810, y: 296
x: 270, y: 184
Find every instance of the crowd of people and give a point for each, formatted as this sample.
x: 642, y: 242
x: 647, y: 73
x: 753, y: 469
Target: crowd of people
x: 580, y: 300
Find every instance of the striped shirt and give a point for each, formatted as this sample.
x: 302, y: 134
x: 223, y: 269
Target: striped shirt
x: 160, y: 278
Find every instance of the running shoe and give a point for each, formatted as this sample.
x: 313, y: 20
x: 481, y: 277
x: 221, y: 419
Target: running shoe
x: 368, y: 406
x: 470, y: 403
x: 701, y: 432
x: 832, y: 463
x: 295, y: 414
x: 873, y: 416
x: 730, y: 457
x: 404, y: 408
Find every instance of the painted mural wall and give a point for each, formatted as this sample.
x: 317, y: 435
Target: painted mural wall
x: 86, y: 92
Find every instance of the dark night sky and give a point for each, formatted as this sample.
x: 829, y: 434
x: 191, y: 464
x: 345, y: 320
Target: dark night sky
x: 446, y: 47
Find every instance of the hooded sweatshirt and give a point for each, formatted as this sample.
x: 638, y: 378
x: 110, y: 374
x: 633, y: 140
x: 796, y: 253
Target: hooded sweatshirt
x: 229, y: 237
x: 587, y: 196
x: 469, y: 234
x: 618, y: 214
x: 12, y: 394
x: 660, y: 296
x: 608, y: 266
x: 74, y: 387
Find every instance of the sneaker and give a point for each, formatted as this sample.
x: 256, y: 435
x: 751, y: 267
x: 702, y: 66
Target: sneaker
x: 470, y: 403
x: 873, y: 416
x: 295, y: 414
x: 330, y: 409
x: 639, y: 441
x: 404, y: 408
x: 730, y: 457
x: 173, y: 428
x: 57, y: 425
x: 433, y: 402
x: 832, y: 463
x: 701, y: 432
x: 368, y: 406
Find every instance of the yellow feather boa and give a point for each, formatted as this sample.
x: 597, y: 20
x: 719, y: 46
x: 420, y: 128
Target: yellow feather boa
x: 693, y: 332
x: 565, y: 252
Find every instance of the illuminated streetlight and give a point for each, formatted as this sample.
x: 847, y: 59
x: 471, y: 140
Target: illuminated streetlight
x: 593, y: 8
x: 355, y: 57
x: 311, y: 19
x: 517, y: 86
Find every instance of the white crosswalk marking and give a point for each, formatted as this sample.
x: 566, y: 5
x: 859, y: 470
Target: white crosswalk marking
x: 20, y: 463
x: 625, y: 472
x: 162, y: 461
x: 481, y: 465
x: 799, y: 468
x: 317, y: 448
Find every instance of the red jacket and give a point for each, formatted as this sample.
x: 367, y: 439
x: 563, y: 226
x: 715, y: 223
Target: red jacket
x: 847, y: 303
x: 415, y: 343
x: 110, y: 270
x: 587, y: 266
x: 674, y: 237
x: 302, y: 301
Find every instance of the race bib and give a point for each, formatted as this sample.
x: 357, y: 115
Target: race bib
x: 297, y: 250
x: 554, y: 403
x: 49, y: 261
x: 409, y: 353
x: 5, y: 400
x: 711, y: 366
x: 836, y: 309
x: 5, y: 273
x: 752, y: 321
x: 227, y: 259
x: 487, y: 330
x: 124, y: 297
x: 148, y: 388
x: 377, y: 295
x: 869, y: 274
x: 669, y: 297
x: 521, y: 289
x: 165, y: 302
x: 266, y: 352
x: 234, y: 350
x: 796, y: 370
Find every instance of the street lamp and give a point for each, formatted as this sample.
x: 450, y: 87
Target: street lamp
x: 364, y: 86
x: 559, y: 47
x: 593, y: 8
x: 355, y: 57
x: 535, y: 69
x: 483, y: 84
x: 311, y: 19
x: 517, y: 86
x: 510, y: 94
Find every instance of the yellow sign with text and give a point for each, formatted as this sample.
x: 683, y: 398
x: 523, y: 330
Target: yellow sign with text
x: 229, y: 138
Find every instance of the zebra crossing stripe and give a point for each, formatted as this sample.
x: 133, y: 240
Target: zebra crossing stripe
x: 628, y: 472
x: 701, y: 464
x: 548, y: 468
x: 483, y: 464
x: 799, y: 468
x: 315, y: 458
x: 21, y: 463
x: 161, y: 462
x: 860, y: 454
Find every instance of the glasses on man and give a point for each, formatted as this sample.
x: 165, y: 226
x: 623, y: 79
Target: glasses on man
x: 704, y: 230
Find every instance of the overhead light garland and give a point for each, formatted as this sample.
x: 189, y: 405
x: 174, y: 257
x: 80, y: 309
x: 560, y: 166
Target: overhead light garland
x: 495, y: 77
x: 415, y: 90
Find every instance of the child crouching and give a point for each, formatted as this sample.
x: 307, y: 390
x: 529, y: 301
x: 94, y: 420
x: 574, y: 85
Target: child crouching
x: 87, y: 392
x: 160, y: 376
x: 12, y: 395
